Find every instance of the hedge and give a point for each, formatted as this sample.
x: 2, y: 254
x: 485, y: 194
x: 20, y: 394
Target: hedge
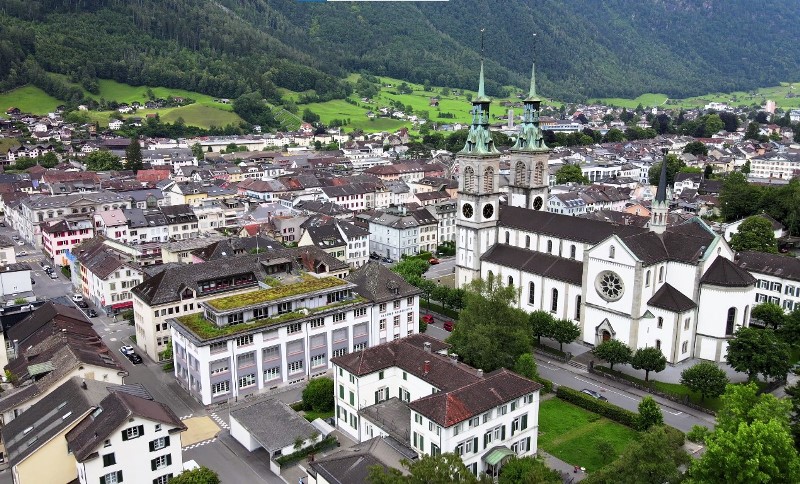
x: 611, y: 411
x: 323, y: 444
x: 547, y: 385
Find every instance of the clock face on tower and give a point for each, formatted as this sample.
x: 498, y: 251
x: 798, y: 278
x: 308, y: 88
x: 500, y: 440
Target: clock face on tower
x: 488, y: 210
x: 537, y: 203
x: 467, y: 210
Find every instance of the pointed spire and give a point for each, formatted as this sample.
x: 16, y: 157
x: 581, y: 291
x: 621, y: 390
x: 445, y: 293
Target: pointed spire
x: 661, y: 193
x: 481, y: 90
x: 532, y: 94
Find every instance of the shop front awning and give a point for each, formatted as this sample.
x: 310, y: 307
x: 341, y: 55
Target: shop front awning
x: 496, y: 455
x: 122, y: 305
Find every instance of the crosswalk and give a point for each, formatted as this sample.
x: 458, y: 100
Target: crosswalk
x: 199, y: 444
x: 220, y: 421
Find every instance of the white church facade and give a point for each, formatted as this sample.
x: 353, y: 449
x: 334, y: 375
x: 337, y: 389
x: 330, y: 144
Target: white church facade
x: 673, y: 288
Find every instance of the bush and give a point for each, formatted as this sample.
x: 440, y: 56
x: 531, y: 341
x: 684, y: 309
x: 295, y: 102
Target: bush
x: 423, y: 326
x: 547, y: 385
x: 611, y: 411
x: 698, y: 434
x: 323, y: 444
x: 318, y: 395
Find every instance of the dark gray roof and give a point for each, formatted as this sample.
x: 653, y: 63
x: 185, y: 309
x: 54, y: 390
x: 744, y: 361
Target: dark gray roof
x: 56, y: 412
x: 378, y: 284
x: 117, y: 409
x: 273, y: 424
x: 392, y: 416
x: 562, y: 226
x: 671, y: 299
x: 546, y: 265
x: 725, y: 273
x: 351, y: 465
x: 770, y: 264
x: 322, y: 207
x: 178, y: 214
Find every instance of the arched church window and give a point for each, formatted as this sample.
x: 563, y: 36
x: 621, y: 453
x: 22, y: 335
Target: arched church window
x: 554, y: 301
x: 658, y: 344
x: 527, y: 241
x: 577, y: 307
x: 746, y: 315
x: 572, y: 251
x: 488, y: 180
x: 508, y: 237
x: 469, y: 179
x: 612, y: 252
x: 661, y: 274
x: 531, y: 293
x: 538, y: 174
x: 549, y: 246
x: 510, y: 281
x: 731, y: 321
x: 647, y: 279
x: 660, y: 322
x: 519, y: 174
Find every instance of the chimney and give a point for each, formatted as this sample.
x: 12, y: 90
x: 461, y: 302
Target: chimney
x: 83, y: 384
x: 427, y: 367
x: 427, y: 346
x: 480, y: 373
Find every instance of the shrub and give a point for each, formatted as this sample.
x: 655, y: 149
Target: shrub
x: 698, y: 434
x: 547, y: 385
x: 423, y: 326
x: 329, y: 441
x: 611, y: 411
x: 649, y: 414
x: 318, y: 395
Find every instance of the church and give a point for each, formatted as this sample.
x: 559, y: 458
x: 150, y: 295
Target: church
x: 674, y: 288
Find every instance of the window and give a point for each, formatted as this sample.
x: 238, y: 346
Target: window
x: 730, y: 322
x: 235, y: 318
x: 528, y: 398
x: 295, y: 367
x: 658, y: 344
x: 549, y: 246
x: 685, y: 347
x: 272, y: 373
x: 660, y: 322
x: 418, y: 418
x: 531, y: 293
x: 435, y: 450
x: 244, y: 340
x: 474, y: 422
x: 109, y: 460
x: 486, y: 416
x: 510, y: 281
x: 271, y: 353
x: 318, y: 360
x: 161, y: 462
x: 503, y: 410
x: 519, y: 424
x: 352, y: 399
x: 577, y: 308
x: 339, y: 317
x: 405, y: 395
x: 396, y: 304
x: 554, y: 301
x: 359, y: 312
x: 132, y: 432
x: 382, y: 307
x: 381, y: 394
x: 246, y: 359
x: 647, y: 279
x: 527, y: 241
x: 661, y: 274
x: 410, y: 317
x: 220, y: 387
x: 686, y: 323
x: 572, y: 251
x: 219, y: 366
x: 380, y: 375
x: 339, y: 352
x: 159, y: 443
x: 508, y: 237
x: 111, y: 478
x: 163, y: 479
x: 294, y: 328
x: 397, y: 321
x: 317, y: 323
x: 360, y: 346
x: 247, y: 380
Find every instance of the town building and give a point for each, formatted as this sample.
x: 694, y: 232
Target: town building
x: 352, y: 465
x: 60, y: 237
x: 286, y: 331
x: 778, y: 278
x: 397, y: 232
x: 106, y: 275
x: 342, y: 239
x: 409, y: 390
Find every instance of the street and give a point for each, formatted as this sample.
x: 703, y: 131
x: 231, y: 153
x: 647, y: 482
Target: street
x: 445, y: 267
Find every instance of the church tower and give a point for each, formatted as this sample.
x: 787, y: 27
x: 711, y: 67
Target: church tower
x: 528, y: 186
x: 478, y: 192
x: 660, y: 209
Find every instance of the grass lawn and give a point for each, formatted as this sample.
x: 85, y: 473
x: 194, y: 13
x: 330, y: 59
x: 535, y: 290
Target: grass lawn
x: 30, y: 99
x: 311, y: 415
x: 572, y: 434
x: 201, y: 115
x: 7, y: 143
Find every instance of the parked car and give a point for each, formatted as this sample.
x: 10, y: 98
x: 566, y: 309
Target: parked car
x: 594, y: 394
x: 130, y: 354
x: 48, y: 269
x: 82, y: 304
x: 374, y: 256
x: 2, y: 224
x: 433, y: 261
x: 21, y: 253
x: 448, y: 325
x: 77, y: 297
x: 53, y: 275
x: 427, y: 319
x: 388, y: 260
x: 92, y: 313
x: 15, y: 237
x: 20, y: 242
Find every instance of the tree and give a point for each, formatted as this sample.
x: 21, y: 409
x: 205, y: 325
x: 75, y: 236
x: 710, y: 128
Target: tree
x: 649, y: 359
x: 411, y: 267
x: 197, y: 152
x: 696, y: 148
x: 756, y: 430
x: 746, y: 167
x: 789, y: 332
x: 713, y: 125
x: 708, y: 172
x: 674, y: 165
x: 738, y: 198
x: 24, y: 162
x: 541, y: 323
x: 491, y: 333
x: 526, y: 366
x: 571, y: 174
x: 614, y: 135
x: 655, y: 456
x: 705, y: 378
x: 318, y: 395
x: 102, y: 160
x: 564, y: 331
x: 310, y: 116
x: 649, y: 414
x: 440, y: 469
x: 613, y: 351
x: 793, y: 392
x: 755, y: 351
x: 770, y: 314
x: 201, y: 475
x: 753, y: 131
x: 133, y: 156
x: 528, y: 470
x: 252, y: 108
x: 755, y: 233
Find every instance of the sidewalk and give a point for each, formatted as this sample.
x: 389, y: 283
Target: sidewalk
x: 559, y: 465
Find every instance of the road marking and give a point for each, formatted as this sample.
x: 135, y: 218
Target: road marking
x: 549, y: 367
x: 199, y: 444
x: 112, y: 339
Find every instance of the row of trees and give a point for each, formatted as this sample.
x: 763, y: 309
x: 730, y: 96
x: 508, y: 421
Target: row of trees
x: 616, y: 352
x: 740, y: 199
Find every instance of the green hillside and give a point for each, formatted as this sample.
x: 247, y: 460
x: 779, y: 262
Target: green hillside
x: 29, y: 99
x: 225, y: 48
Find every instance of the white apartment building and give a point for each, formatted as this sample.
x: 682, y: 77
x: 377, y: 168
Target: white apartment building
x: 179, y: 291
x: 445, y: 213
x: 106, y: 275
x: 778, y: 278
x: 778, y: 165
x: 408, y: 390
x: 287, y: 333
x: 127, y: 439
x: 40, y: 208
x: 342, y: 239
x: 396, y: 233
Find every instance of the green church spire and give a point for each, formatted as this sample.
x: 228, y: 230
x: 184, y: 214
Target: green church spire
x: 530, y: 137
x: 481, y: 89
x: 532, y: 93
x: 479, y: 139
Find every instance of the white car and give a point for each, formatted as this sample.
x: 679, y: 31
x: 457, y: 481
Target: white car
x: 126, y: 350
x: 21, y: 253
x: 77, y: 298
x: 20, y: 242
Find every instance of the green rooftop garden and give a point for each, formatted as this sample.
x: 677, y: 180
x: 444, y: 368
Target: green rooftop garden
x: 309, y: 284
x: 206, y: 329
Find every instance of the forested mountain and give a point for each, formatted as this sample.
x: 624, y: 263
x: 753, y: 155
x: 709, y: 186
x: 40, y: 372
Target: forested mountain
x: 585, y: 48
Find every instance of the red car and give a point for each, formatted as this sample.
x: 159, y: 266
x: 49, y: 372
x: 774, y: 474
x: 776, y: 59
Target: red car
x: 448, y: 325
x: 433, y: 261
x: 427, y: 319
